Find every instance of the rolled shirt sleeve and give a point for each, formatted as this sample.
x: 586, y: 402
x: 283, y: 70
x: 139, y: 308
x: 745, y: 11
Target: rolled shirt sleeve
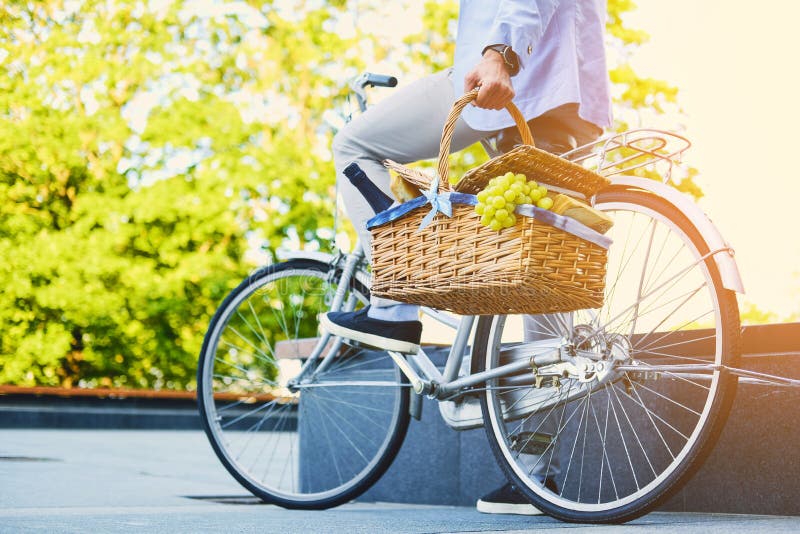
x: 560, y: 47
x: 520, y: 24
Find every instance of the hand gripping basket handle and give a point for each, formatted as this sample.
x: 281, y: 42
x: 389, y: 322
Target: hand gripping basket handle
x: 450, y: 126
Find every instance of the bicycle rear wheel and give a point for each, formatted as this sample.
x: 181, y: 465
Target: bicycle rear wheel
x: 292, y: 430
x: 619, y: 440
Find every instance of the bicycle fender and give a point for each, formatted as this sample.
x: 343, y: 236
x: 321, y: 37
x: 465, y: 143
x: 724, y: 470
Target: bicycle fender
x: 323, y: 257
x: 726, y: 263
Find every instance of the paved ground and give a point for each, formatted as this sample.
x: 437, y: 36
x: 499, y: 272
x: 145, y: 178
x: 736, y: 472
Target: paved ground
x: 154, y: 481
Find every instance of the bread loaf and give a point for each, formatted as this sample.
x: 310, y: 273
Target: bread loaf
x: 581, y: 212
x: 402, y: 190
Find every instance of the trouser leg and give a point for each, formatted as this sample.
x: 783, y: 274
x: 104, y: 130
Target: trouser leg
x: 539, y: 327
x: 405, y: 127
x: 553, y: 125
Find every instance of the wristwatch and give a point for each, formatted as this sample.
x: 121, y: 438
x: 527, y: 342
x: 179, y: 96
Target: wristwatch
x: 509, y: 57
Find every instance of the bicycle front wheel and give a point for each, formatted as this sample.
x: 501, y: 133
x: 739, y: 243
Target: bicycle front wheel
x: 293, y: 430
x: 618, y: 440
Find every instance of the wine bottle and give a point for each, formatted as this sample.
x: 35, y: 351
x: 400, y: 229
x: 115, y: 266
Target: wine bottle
x: 377, y: 199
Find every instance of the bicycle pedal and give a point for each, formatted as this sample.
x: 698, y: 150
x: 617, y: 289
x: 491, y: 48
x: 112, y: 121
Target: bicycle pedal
x: 530, y: 442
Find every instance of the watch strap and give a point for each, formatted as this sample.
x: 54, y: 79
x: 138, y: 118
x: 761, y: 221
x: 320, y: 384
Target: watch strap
x: 509, y: 57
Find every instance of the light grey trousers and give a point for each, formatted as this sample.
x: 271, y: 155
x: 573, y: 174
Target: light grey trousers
x: 407, y: 127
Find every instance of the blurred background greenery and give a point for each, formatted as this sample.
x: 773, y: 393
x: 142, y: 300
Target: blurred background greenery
x: 154, y: 153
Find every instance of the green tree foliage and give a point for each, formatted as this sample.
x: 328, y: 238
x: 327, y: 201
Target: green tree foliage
x: 146, y: 149
x: 149, y: 150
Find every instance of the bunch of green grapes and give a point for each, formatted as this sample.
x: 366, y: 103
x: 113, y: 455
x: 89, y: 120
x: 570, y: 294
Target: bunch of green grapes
x: 499, y: 199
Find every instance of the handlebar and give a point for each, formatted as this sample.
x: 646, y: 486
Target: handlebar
x: 368, y: 79
x: 377, y: 80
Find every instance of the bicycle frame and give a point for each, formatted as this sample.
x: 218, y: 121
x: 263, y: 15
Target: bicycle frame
x: 424, y: 376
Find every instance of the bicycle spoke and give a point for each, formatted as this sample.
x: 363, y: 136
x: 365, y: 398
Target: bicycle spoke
x: 345, y: 436
x: 260, y: 336
x: 275, y: 435
x: 687, y: 323
x: 524, y: 421
x: 673, y: 280
x: 360, y: 406
x: 668, y: 399
x: 258, y: 353
x: 583, y: 446
x: 635, y: 434
x: 239, y: 378
x: 341, y: 367
x: 247, y: 414
x: 671, y: 374
x: 655, y: 426
x: 657, y: 305
x: 252, y: 431
x: 634, y: 353
x: 624, y: 442
x: 642, y: 276
x: 347, y: 422
x: 604, y: 458
x: 676, y: 344
x: 551, y: 445
x: 649, y: 275
x: 611, y: 292
x: 331, y: 448
x: 575, y: 443
x: 649, y: 411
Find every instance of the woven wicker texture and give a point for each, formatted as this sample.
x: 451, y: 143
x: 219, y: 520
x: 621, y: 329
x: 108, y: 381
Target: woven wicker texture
x: 526, y: 159
x: 535, y: 164
x: 459, y: 265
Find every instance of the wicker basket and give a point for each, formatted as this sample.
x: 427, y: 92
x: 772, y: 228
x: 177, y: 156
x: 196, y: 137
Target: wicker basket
x: 545, y: 263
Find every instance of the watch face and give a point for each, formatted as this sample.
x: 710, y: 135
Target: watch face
x: 509, y: 57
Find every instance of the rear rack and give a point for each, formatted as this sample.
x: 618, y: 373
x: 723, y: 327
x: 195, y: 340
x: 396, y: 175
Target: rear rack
x: 623, y: 152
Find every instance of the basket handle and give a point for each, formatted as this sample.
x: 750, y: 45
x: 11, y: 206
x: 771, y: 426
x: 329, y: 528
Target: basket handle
x: 450, y: 126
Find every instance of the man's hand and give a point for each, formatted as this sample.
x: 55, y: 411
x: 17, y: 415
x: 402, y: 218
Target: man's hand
x: 494, y: 80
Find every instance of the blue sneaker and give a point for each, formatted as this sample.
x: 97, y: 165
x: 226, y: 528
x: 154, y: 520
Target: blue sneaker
x: 509, y: 500
x: 398, y: 336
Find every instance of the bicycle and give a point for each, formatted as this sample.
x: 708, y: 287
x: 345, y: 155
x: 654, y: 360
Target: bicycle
x: 622, y: 403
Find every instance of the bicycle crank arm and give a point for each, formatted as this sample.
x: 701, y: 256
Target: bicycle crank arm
x: 419, y: 385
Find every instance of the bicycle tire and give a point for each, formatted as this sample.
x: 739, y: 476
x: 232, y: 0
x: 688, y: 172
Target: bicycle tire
x: 611, y: 508
x: 316, y: 416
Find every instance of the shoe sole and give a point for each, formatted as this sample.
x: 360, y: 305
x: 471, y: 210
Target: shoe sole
x: 507, y: 508
x: 370, y: 340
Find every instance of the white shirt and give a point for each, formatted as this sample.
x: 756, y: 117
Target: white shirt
x: 561, y: 51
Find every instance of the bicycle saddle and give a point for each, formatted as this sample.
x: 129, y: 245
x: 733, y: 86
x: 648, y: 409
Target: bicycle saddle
x: 546, y: 135
x: 551, y: 131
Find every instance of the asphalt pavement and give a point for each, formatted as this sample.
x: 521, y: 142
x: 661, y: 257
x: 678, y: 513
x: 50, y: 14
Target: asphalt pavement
x: 170, y: 481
